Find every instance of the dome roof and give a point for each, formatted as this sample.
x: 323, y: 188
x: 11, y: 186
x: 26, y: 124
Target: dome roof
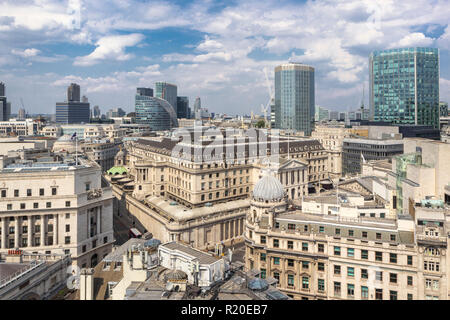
x: 175, y: 275
x: 268, y: 188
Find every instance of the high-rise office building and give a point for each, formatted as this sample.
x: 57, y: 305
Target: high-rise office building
x: 72, y: 111
x: 145, y: 92
x: 183, y: 110
x: 443, y: 109
x: 404, y: 86
x: 5, y: 106
x: 197, y: 106
x: 96, y: 112
x: 157, y: 113
x: 73, y: 92
x: 168, y: 92
x: 21, y: 114
x: 294, y: 97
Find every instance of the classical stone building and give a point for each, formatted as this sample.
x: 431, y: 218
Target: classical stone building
x: 346, y: 246
x: 203, y: 201
x: 53, y: 205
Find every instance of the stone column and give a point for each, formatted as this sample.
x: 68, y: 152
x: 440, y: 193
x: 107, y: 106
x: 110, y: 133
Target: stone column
x: 4, y: 232
x: 42, y: 230
x: 99, y: 219
x: 56, y: 229
x: 16, y: 232
x: 30, y: 231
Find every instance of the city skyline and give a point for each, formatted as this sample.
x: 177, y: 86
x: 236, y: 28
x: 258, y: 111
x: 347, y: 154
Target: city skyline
x: 214, y: 50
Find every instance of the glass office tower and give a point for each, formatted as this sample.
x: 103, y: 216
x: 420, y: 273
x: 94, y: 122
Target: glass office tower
x: 168, y: 92
x: 294, y: 97
x: 155, y: 112
x: 404, y: 86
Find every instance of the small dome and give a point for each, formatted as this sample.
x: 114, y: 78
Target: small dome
x: 175, y: 275
x: 268, y: 188
x: 258, y: 284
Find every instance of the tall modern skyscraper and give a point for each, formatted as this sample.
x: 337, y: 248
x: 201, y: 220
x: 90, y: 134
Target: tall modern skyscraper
x: 168, y: 92
x: 294, y: 97
x: 73, y: 92
x: 145, y: 92
x: 197, y: 106
x: 404, y: 86
x: 5, y: 106
x: 183, y: 110
x: 155, y: 112
x: 72, y: 111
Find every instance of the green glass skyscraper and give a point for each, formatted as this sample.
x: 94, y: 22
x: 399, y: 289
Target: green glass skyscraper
x: 404, y: 86
x: 294, y: 97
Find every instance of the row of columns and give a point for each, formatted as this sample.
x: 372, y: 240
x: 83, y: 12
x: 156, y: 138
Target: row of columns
x: 30, y: 231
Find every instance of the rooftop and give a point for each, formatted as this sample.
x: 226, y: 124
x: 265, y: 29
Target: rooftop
x: 203, y: 257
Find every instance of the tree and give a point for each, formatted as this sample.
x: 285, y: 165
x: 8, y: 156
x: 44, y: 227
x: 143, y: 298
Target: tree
x: 260, y: 124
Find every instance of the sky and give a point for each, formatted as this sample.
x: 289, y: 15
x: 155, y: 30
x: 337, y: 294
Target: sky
x: 222, y: 51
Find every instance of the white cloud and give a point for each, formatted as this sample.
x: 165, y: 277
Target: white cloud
x: 412, y: 40
x: 27, y: 53
x: 111, y: 48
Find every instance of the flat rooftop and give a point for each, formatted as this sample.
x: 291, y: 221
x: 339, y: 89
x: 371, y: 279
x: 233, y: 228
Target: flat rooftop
x: 202, y: 257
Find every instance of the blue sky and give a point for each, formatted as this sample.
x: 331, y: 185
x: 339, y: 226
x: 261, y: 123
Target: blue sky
x: 218, y: 50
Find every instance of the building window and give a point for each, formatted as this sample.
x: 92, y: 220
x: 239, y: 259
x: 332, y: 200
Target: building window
x: 337, y: 251
x: 364, y: 292
x: 337, y: 288
x: 378, y: 294
x: 410, y: 280
x: 276, y: 243
x: 36, y: 205
x: 262, y: 257
x: 321, y: 285
x: 305, y: 283
x: 337, y: 270
x: 290, y: 263
x: 263, y: 273
x: 364, y: 234
x: 320, y: 266
x: 67, y: 240
x: 263, y: 239
x: 378, y: 236
x: 364, y: 274
x: 67, y: 227
x: 276, y: 261
x: 350, y: 290
x: 3, y: 193
x: 41, y: 192
x: 83, y: 248
x: 321, y: 247
x: 378, y: 256
x: 350, y: 272
x: 392, y: 277
x: 304, y: 246
x: 276, y: 276
x: 29, y: 194
x: 305, y: 265
x: 321, y: 229
x: 393, y: 295
x: 350, y: 233
x: 393, y: 237
x: 67, y: 203
x: 291, y: 226
x: 48, y: 205
x: 53, y: 191
x: 37, y: 228
x: 410, y: 296
x: 290, y: 244
x: 88, y: 186
x: 364, y: 254
x: 22, y: 206
x: 24, y: 229
x: 337, y: 231
x: 410, y: 260
x: 16, y: 193
x: 379, y: 275
x: 393, y: 258
x: 290, y: 280
x: 9, y: 206
x: 350, y: 252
